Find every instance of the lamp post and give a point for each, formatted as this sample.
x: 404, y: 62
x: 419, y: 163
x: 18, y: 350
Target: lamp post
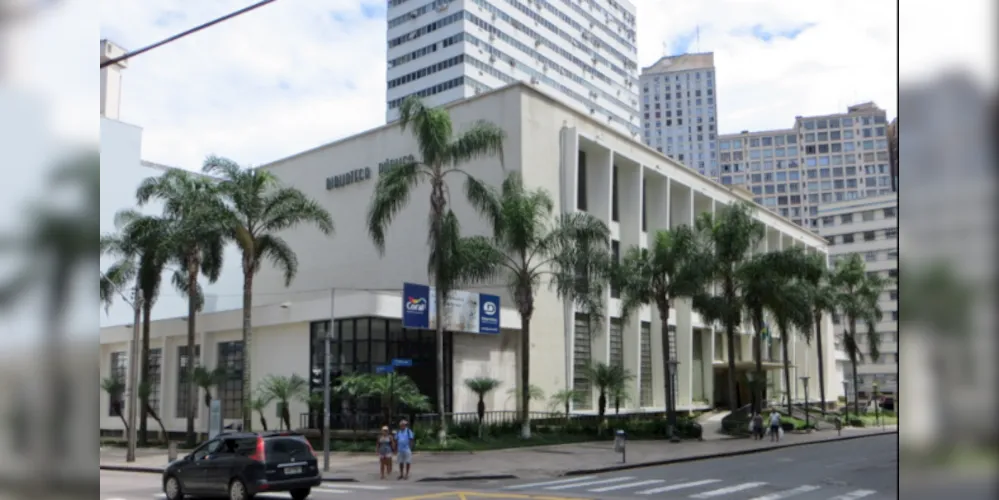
x: 804, y: 382
x: 671, y: 405
x: 846, y: 396
x: 877, y: 404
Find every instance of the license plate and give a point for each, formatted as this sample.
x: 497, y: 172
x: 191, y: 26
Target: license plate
x: 289, y: 471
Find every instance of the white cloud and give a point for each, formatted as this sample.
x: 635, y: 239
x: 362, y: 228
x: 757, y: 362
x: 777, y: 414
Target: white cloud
x: 220, y: 90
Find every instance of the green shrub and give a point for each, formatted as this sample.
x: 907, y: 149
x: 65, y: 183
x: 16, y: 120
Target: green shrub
x: 856, y: 422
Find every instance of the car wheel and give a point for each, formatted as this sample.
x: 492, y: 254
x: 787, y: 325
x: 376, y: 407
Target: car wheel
x: 237, y: 491
x: 300, y: 493
x: 172, y: 488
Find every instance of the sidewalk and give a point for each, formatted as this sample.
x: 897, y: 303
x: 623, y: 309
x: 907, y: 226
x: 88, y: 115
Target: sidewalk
x: 535, y: 462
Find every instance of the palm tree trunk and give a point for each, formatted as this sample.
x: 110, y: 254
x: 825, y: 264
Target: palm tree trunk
x: 853, y: 362
x: 437, y: 204
x: 248, y: 340
x: 525, y: 374
x: 787, y: 369
x: 667, y: 375
x: 147, y: 307
x: 758, y: 379
x: 192, y: 311
x: 730, y: 337
x: 822, y: 370
x: 152, y: 413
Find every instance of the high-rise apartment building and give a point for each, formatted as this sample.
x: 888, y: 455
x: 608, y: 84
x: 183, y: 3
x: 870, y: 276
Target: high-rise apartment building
x: 868, y: 227
x: 680, y: 109
x: 582, y: 50
x: 822, y: 159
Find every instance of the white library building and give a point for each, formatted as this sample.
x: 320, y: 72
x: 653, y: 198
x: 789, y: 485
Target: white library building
x: 585, y: 165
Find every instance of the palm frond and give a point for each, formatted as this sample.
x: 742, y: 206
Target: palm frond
x: 391, y: 195
x: 483, y: 139
x: 279, y: 253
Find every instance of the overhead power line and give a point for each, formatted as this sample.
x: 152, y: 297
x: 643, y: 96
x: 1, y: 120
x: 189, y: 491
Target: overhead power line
x: 178, y: 36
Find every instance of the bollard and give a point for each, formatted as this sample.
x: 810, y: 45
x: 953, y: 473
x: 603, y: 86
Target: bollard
x: 620, y: 444
x: 171, y: 451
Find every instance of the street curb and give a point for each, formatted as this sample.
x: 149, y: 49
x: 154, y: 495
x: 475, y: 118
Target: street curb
x: 747, y: 451
x: 466, y: 478
x: 158, y: 470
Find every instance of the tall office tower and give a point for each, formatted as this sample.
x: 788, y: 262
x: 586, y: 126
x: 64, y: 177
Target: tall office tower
x: 580, y: 50
x: 680, y: 109
x: 868, y: 227
x: 822, y: 159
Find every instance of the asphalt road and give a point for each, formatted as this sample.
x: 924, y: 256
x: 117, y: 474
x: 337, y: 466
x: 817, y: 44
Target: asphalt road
x: 845, y: 470
x: 145, y: 486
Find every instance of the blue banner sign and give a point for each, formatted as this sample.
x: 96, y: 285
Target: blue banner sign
x: 464, y: 311
x: 402, y: 362
x: 383, y: 369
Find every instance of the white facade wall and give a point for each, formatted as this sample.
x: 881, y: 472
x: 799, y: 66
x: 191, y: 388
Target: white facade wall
x: 544, y: 139
x: 584, y: 52
x: 868, y: 227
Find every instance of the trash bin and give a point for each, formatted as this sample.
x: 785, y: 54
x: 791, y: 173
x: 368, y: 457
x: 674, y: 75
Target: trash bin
x: 172, y: 451
x: 620, y: 441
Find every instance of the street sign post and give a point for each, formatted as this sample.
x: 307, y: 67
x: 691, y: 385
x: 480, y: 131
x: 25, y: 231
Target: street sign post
x: 214, y: 418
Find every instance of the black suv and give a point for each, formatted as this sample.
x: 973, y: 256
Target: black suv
x: 238, y: 465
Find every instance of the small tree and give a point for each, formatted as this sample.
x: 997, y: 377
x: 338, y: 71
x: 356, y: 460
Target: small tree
x: 481, y: 386
x: 534, y: 392
x: 563, y: 400
x: 620, y: 395
x: 351, y: 388
x: 284, y: 390
x: 115, y: 387
x: 145, y: 389
x: 210, y: 379
x: 393, y: 389
x: 607, y: 379
x: 260, y: 404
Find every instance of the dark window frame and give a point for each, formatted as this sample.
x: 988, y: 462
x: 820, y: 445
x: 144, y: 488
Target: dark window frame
x: 230, y: 393
x: 182, y: 399
x: 119, y: 371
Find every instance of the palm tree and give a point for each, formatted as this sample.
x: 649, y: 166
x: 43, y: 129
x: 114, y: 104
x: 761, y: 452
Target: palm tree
x: 788, y: 302
x: 141, y: 251
x: 284, y: 390
x: 536, y: 393
x: 532, y: 249
x: 563, y: 400
x: 352, y: 388
x: 145, y: 389
x: 442, y: 153
x: 730, y: 237
x: 260, y: 404
x: 620, y: 395
x: 823, y: 300
x: 607, y: 379
x: 207, y: 380
x: 392, y: 390
x: 672, y: 267
x: 191, y: 216
x: 115, y: 387
x: 857, y: 298
x: 481, y: 386
x: 258, y: 208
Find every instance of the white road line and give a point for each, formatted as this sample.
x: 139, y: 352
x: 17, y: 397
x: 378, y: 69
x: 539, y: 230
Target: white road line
x: 590, y: 483
x: 681, y: 486
x: 549, y: 483
x: 330, y: 490
x: 725, y: 491
x: 787, y: 493
x: 356, y: 486
x: 627, y: 485
x: 853, y: 495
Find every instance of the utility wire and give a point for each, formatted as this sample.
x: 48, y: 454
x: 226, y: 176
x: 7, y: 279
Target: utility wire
x: 178, y: 36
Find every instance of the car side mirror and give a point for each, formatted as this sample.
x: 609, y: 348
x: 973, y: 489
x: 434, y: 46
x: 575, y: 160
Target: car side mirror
x: 189, y: 457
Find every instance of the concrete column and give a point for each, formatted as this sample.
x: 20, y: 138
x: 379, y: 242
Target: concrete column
x: 569, y: 167
x: 658, y: 212
x: 682, y: 213
x: 629, y: 183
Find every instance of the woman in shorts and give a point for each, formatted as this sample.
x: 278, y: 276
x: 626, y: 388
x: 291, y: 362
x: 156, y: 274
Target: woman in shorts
x: 385, y: 448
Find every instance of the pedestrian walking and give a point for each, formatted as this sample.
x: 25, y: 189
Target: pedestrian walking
x: 385, y: 448
x: 404, y: 444
x: 757, y: 426
x: 775, y: 425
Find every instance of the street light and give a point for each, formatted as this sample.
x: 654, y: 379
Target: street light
x: 671, y: 405
x: 877, y: 405
x: 804, y: 381
x: 846, y: 396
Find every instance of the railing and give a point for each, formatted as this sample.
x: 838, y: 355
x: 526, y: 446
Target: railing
x: 366, y: 422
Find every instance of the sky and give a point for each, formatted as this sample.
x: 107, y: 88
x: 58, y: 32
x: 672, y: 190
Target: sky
x: 296, y: 74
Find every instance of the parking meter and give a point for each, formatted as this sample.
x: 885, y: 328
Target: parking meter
x: 620, y: 443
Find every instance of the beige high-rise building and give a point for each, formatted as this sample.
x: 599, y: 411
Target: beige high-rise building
x: 821, y: 159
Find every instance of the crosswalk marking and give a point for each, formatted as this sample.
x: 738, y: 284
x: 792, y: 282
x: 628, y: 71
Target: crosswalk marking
x: 727, y: 490
x: 681, y: 486
x: 788, y: 493
x: 331, y: 490
x: 549, y: 483
x: 627, y: 485
x: 356, y: 486
x: 853, y: 495
x: 590, y: 483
